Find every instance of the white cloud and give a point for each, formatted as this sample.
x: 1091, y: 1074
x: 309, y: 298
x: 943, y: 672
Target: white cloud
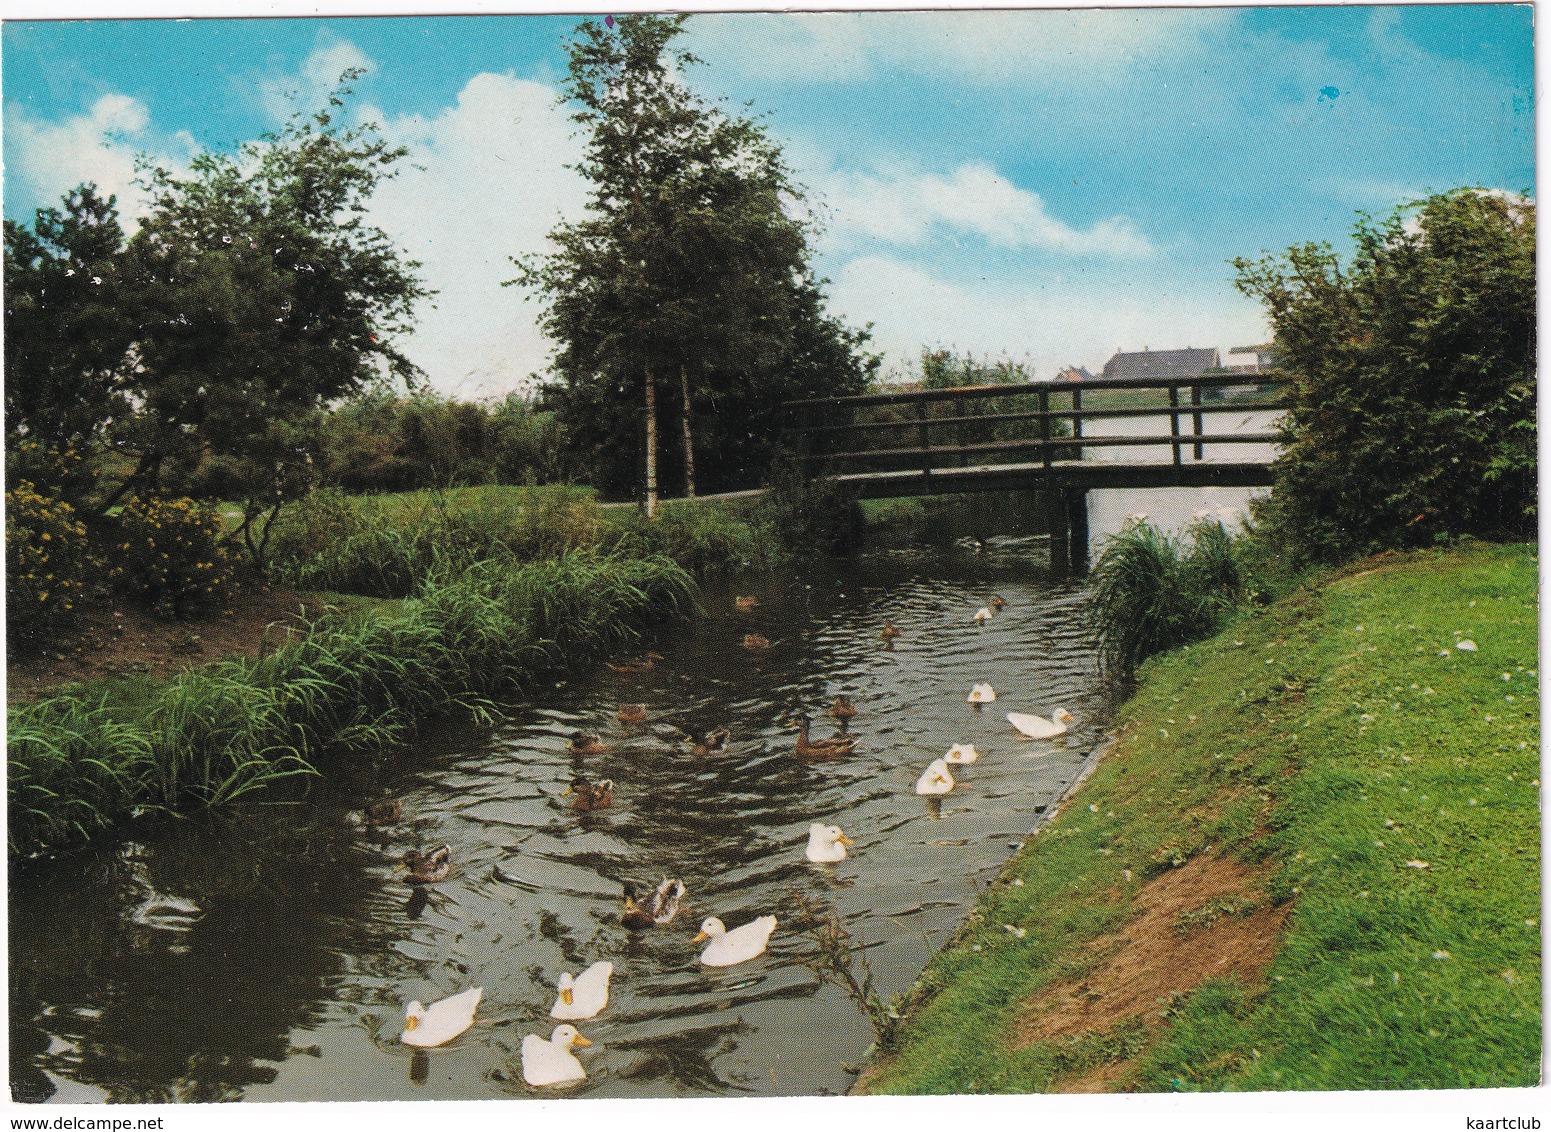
x: 490, y: 185
x: 1052, y: 326
x: 974, y: 199
x: 51, y: 158
x: 309, y: 87
x: 980, y: 47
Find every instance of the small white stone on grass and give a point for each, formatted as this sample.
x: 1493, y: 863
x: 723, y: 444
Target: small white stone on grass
x: 1465, y: 646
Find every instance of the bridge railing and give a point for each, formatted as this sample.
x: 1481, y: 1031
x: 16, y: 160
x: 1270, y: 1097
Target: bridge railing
x: 1043, y: 423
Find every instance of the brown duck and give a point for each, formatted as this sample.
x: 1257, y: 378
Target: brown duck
x: 585, y: 743
x: 659, y: 910
x: 709, y: 743
x: 428, y: 867
x: 842, y: 708
x: 632, y: 713
x: 821, y: 748
x: 646, y: 664
x: 590, y: 795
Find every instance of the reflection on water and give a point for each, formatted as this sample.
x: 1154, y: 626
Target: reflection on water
x: 268, y: 954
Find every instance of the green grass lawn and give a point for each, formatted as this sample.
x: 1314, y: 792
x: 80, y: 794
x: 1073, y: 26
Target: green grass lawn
x: 1386, y: 784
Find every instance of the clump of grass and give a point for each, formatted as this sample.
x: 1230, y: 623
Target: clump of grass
x: 229, y: 729
x: 837, y: 961
x: 72, y: 770
x: 1152, y: 592
x: 386, y: 546
x: 702, y: 537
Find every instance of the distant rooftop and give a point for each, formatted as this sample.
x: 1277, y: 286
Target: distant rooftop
x: 1189, y: 362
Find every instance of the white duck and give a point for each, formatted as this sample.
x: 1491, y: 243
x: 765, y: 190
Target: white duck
x: 552, y: 1062
x: 1037, y: 727
x: 983, y: 614
x: 584, y: 995
x: 982, y: 694
x: 936, y: 780
x: 826, y: 844
x: 961, y: 753
x: 442, y: 1021
x: 736, y: 946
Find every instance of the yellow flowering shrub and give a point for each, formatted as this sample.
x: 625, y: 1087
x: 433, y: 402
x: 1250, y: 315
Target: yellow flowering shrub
x: 47, y: 566
x: 168, y: 556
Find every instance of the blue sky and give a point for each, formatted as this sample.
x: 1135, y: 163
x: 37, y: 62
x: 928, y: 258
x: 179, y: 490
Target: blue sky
x: 1047, y: 185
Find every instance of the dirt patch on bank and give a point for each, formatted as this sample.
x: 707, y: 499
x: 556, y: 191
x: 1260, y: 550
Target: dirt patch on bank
x: 1207, y: 919
x: 117, y: 640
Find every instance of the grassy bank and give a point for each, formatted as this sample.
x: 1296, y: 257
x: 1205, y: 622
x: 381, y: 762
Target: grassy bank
x: 1309, y: 862
x: 83, y: 761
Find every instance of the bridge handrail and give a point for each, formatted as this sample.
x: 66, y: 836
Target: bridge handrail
x: 1045, y: 445
x: 1098, y: 385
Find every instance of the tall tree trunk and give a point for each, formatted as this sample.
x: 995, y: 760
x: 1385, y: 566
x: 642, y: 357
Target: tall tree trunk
x: 651, y: 444
x: 689, y: 439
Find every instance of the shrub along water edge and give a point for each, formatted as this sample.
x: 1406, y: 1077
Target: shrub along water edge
x: 219, y: 732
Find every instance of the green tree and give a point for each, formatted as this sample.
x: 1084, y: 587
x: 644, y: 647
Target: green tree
x: 267, y: 296
x: 1413, y: 377
x: 70, y: 320
x: 689, y: 274
x: 198, y: 353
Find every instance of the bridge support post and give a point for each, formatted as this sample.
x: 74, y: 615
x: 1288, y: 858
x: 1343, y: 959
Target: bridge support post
x: 1069, y: 539
x: 1077, y: 530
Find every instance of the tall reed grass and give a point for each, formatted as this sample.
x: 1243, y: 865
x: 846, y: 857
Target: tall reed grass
x: 229, y: 729
x: 1152, y: 592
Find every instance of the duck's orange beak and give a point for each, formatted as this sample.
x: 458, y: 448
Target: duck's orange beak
x: 566, y: 791
x: 566, y: 996
x: 411, y: 1022
x: 844, y: 840
x: 580, y: 1041
x: 699, y: 937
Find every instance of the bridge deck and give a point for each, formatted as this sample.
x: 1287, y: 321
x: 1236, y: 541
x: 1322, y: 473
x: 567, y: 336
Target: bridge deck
x: 1070, y: 475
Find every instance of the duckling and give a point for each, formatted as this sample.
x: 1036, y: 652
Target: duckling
x: 644, y: 665
x: 709, y: 743
x: 659, y: 910
x: 755, y: 641
x: 983, y: 614
x: 842, y: 708
x: 982, y: 694
x: 429, y: 867
x: 632, y: 713
x: 385, y: 812
x: 586, y: 743
x: 745, y: 604
x: 890, y: 631
x: 998, y: 602
x: 835, y: 745
x: 590, y: 795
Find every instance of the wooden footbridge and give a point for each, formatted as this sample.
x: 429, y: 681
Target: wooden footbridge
x: 1047, y: 436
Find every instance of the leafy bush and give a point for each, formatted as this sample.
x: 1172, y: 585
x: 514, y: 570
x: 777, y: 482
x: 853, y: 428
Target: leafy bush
x: 813, y: 514
x: 1412, y: 415
x: 47, y: 565
x: 169, y: 557
x: 1152, y: 592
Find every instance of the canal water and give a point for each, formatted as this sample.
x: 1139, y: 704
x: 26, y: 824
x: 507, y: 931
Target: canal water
x: 267, y: 954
